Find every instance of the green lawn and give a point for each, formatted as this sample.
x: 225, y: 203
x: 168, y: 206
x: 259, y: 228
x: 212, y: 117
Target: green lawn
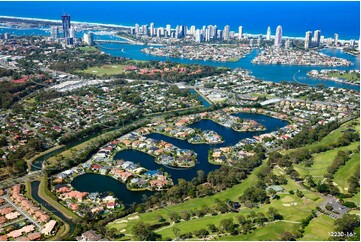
x: 355, y: 199
x: 318, y: 228
x: 272, y: 231
x: 291, y: 207
x: 322, y: 161
x: 352, y: 77
x: 106, y: 69
x: 346, y: 171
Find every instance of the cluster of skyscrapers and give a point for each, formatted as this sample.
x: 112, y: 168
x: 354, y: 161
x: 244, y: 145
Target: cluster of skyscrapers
x: 207, y: 33
x: 313, y: 42
x: 68, y: 31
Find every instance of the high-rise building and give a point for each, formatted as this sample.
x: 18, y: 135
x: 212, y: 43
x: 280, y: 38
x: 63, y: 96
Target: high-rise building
x: 215, y: 29
x: 137, y: 29
x: 308, y: 40
x: 152, y: 29
x: 226, y: 32
x: 317, y: 38
x: 259, y: 40
x: 278, y: 37
x: 219, y: 34
x: 268, y: 36
x: 183, y: 31
x: 352, y: 43
x: 66, y: 25
x: 168, y: 28
x: 54, y: 32
x: 335, y: 39
x: 162, y: 31
x: 177, y: 32
x: 193, y: 30
x: 145, y: 29
x: 89, y: 38
x: 199, y: 36
x: 240, y: 32
x: 211, y: 31
x: 207, y: 36
x: 72, y: 32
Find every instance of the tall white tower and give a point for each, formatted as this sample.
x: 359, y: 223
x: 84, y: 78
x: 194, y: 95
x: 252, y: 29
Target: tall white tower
x: 308, y: 40
x: 268, y: 36
x: 240, y: 32
x: 278, y: 38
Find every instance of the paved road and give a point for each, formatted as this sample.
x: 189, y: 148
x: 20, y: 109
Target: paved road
x: 32, y: 176
x: 21, y: 211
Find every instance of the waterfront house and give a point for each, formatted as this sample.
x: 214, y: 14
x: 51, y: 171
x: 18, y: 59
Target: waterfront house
x: 75, y: 194
x: 48, y: 227
x: 158, y: 183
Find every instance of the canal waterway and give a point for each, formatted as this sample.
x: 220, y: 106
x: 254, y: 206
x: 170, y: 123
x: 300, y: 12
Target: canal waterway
x: 273, y: 73
x: 36, y: 197
x: 98, y: 183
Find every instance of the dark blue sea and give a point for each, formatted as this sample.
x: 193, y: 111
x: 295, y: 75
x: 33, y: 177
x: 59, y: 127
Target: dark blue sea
x: 342, y: 17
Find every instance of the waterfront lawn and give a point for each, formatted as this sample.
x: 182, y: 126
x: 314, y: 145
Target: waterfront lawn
x: 318, y: 228
x: 351, y: 77
x: 345, y: 172
x: 322, y: 161
x: 105, y: 70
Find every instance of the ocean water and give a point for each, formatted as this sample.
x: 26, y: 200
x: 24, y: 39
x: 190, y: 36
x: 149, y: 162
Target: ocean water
x: 342, y: 17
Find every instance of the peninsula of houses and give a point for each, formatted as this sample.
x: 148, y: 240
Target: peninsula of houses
x: 222, y: 53
x: 298, y: 57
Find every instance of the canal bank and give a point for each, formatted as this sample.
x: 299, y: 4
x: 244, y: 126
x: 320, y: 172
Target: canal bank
x: 35, y: 186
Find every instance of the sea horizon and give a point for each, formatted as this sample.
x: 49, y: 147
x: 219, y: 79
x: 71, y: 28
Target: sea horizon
x: 342, y: 18
x: 130, y: 26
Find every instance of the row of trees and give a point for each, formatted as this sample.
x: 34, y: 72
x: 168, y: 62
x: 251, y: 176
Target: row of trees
x: 310, y: 135
x: 341, y: 158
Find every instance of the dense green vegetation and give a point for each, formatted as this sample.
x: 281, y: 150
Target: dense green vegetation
x: 11, y: 93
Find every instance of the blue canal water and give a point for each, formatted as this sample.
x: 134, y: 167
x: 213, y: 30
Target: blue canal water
x: 342, y: 17
x: 273, y: 73
x: 204, y: 101
x: 99, y: 183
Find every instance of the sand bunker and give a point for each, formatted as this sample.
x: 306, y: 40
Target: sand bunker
x: 134, y: 217
x: 122, y: 221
